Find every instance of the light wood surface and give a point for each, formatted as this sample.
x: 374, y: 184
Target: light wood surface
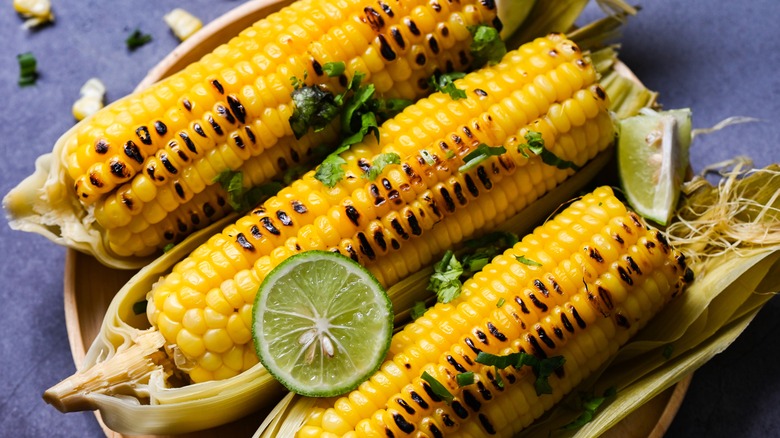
x: 90, y: 286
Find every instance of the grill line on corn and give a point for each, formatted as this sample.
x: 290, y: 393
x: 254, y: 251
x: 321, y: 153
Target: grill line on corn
x: 203, y: 308
x: 603, y: 274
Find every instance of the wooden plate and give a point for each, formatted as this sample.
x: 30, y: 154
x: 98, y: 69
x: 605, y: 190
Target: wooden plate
x: 90, y: 286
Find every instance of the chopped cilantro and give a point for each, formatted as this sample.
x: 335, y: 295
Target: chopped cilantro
x: 168, y: 247
x: 542, y: 368
x: 486, y: 46
x: 526, y: 261
x: 464, y: 379
x: 437, y: 388
x: 28, y: 69
x: 368, y: 124
x: 298, y: 83
x: 668, y: 351
x: 445, y: 281
x: 418, y: 310
x: 480, y: 154
x: 590, y: 404
x: 240, y: 198
x: 427, y: 157
x: 535, y: 144
x: 139, y: 307
x: 314, y: 108
x: 445, y: 83
x: 333, y: 69
x: 137, y: 39
x: 500, y: 302
x: 379, y: 163
x: 330, y: 172
x: 499, y: 379
x: 388, y: 108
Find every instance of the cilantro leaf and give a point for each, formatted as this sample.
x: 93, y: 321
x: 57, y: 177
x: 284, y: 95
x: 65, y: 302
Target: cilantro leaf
x: 386, y: 109
x: 168, y: 247
x: 418, y: 310
x: 542, y: 368
x: 330, y: 172
x: 298, y: 83
x: 351, y: 117
x: 535, y: 144
x: 486, y: 45
x: 314, y: 108
x: 28, y: 69
x: 242, y: 199
x: 464, y: 379
x: 440, y: 390
x: 445, y: 83
x: 501, y: 301
x: 333, y: 69
x: 445, y: 281
x: 526, y: 261
x: 590, y: 404
x: 368, y: 124
x: 379, y: 163
x: 480, y: 154
x: 137, y: 39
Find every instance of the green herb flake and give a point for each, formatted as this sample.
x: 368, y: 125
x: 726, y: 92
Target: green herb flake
x: 535, y: 144
x: 139, y: 307
x: 445, y: 281
x: 428, y: 157
x: 500, y: 302
x: 465, y: 379
x: 480, y: 154
x: 526, y: 261
x: 542, y: 368
x: 28, y: 69
x: 486, y: 46
x: 440, y: 390
x: 668, y: 351
x: 299, y: 83
x: 418, y: 310
x: 589, y: 404
x: 499, y: 379
x: 379, y: 164
x: 168, y: 247
x: 445, y: 83
x: 240, y: 198
x: 314, y: 108
x: 386, y: 109
x: 137, y: 39
x: 330, y: 171
x: 368, y: 123
x: 333, y: 69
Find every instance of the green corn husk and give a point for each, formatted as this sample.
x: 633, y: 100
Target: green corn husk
x: 731, y: 233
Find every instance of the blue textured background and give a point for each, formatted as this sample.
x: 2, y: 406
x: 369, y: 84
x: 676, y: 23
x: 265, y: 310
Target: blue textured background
x: 718, y: 57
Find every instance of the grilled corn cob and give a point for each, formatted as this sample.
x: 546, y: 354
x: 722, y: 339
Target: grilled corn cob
x: 142, y: 158
x: 599, y: 275
x: 203, y: 308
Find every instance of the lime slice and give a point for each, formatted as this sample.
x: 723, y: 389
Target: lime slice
x: 652, y: 160
x: 322, y: 324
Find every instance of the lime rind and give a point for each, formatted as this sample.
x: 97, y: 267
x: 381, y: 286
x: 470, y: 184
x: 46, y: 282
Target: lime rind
x: 653, y: 156
x: 322, y: 324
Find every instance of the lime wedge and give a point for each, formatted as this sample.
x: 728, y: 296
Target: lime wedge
x: 652, y: 160
x: 322, y: 324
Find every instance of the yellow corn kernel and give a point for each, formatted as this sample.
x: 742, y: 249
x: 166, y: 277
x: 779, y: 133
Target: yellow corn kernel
x: 182, y: 23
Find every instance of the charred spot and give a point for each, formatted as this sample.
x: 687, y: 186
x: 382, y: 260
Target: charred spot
x: 556, y: 287
x: 218, y: 86
x: 635, y: 219
x: 566, y: 323
x: 398, y: 37
x: 386, y: 8
x: 198, y: 129
x: 317, y: 67
x: 467, y: 359
x: 133, y: 152
x: 445, y: 31
x: 220, y: 201
x: 414, y: 224
x: 101, y: 146
x: 351, y: 252
x: 625, y: 276
x: 535, y: 347
x: 447, y: 421
x: 455, y: 364
x: 188, y: 142
x: 412, y: 26
x: 402, y: 424
x: 395, y: 244
x: 558, y: 332
x: 168, y: 235
x: 483, y: 391
x: 241, y: 240
x: 553, y: 53
x: 226, y: 114
x: 448, y: 202
x: 422, y: 84
x: 254, y: 230
x: 179, y: 189
x: 433, y: 44
x: 269, y: 226
x: 396, y: 224
x: 634, y: 266
x: 495, y: 332
x: 480, y: 92
x: 385, y: 50
x: 618, y: 239
x: 680, y: 259
x: 250, y: 134
x: 688, y: 275
x: 435, y: 432
x: 186, y: 104
x: 606, y: 297
x: 470, y: 185
x: 539, y: 305
x: 471, y: 345
x: 214, y: 125
x: 521, y: 303
x: 463, y: 58
x: 379, y: 238
x: 298, y: 207
x: 650, y: 245
x: 511, y: 378
x: 484, y: 178
x: 181, y: 225
x: 402, y: 403
x: 576, y: 315
x: 365, y: 246
x: 485, y: 421
x: 95, y: 180
x: 420, y: 59
x: 166, y: 162
x: 595, y: 255
x: 387, y: 184
x: 151, y: 170
x: 208, y: 210
x: 118, y: 168
x: 428, y: 390
x: 363, y: 164
x: 488, y: 4
x: 282, y: 163
x: 160, y: 127
x: 237, y: 107
x: 497, y: 24
x: 467, y: 132
x: 541, y: 287
x: 194, y: 218
x: 481, y: 336
x: 238, y: 141
x: 435, y: 5
x: 459, y: 410
x: 127, y: 201
x: 284, y: 218
x: 374, y: 18
x: 419, y: 400
x: 471, y: 401
x: 352, y: 214
x: 662, y: 239
x: 544, y: 337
